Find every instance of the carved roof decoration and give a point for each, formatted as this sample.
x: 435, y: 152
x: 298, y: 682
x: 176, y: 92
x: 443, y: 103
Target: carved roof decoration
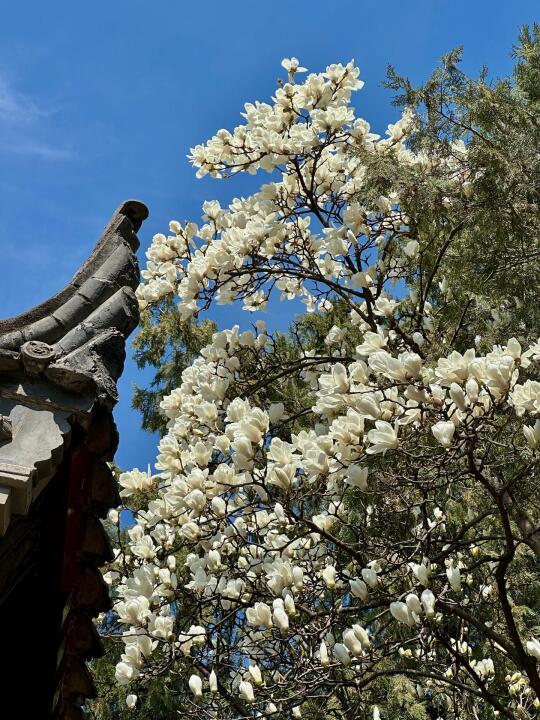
x: 59, y: 364
x: 73, y: 338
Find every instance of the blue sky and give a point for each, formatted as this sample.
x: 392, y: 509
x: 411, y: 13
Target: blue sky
x: 101, y: 101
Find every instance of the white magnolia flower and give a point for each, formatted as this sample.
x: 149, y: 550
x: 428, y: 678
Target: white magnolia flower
x: 526, y: 397
x: 385, y: 306
x: 281, y: 619
x: 134, y: 610
x: 219, y: 506
x: 532, y: 435
x: 372, y: 343
x: 428, y: 602
x: 245, y: 689
x: 384, y: 437
x: 413, y: 604
x: 370, y: 577
x: 342, y: 654
x: 533, y: 648
x: 401, y: 613
x: 125, y: 673
x: 357, y: 477
x: 458, y: 396
x: 352, y: 642
x: 362, y: 635
x: 421, y: 572
x: 444, y: 432
x: 485, y: 668
x: 359, y: 588
x: 134, y: 481
x: 329, y: 576
x: 292, y: 66
x: 454, y: 577
x: 256, y: 675
x: 260, y: 614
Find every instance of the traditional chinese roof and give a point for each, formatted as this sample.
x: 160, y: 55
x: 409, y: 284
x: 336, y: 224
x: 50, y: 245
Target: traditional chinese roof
x: 59, y: 364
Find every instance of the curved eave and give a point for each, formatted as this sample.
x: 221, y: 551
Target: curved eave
x: 68, y: 337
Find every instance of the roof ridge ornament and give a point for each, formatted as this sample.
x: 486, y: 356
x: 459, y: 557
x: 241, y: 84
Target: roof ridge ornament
x: 66, y: 337
x: 36, y: 355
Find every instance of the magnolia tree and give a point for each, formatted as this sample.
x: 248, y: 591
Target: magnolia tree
x: 372, y: 535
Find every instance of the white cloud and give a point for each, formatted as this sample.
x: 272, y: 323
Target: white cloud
x: 38, y: 149
x: 16, y: 107
x: 23, y: 124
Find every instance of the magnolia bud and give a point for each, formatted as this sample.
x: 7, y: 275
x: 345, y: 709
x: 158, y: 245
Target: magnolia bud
x: 323, y: 654
x: 195, y: 685
x: 428, y: 601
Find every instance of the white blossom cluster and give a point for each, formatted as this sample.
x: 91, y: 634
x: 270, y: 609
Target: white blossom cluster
x: 277, y: 555
x: 309, y: 216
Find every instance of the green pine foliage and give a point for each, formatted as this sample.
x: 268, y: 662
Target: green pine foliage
x: 167, y: 344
